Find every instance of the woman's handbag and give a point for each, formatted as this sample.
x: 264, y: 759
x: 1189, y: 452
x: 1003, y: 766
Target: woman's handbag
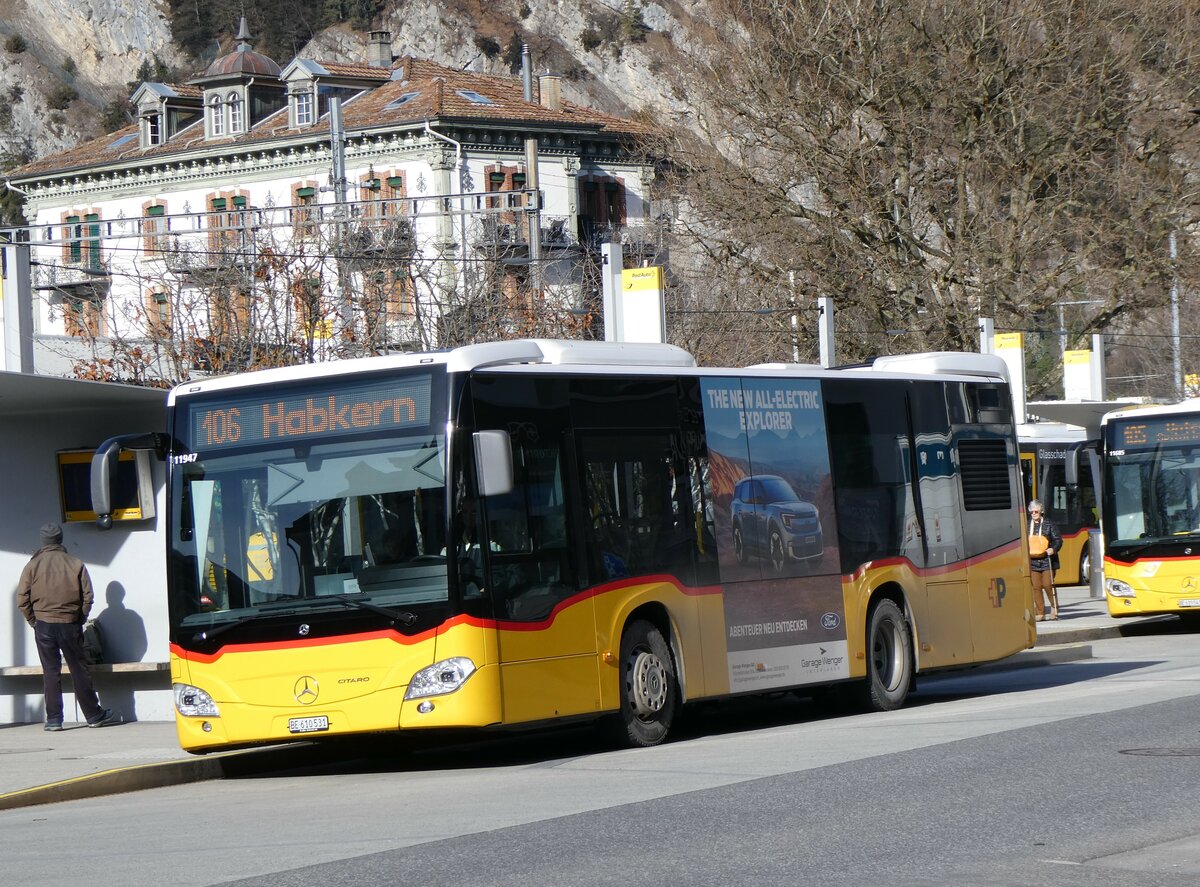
x: 1038, y: 545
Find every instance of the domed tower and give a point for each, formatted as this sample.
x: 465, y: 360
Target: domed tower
x: 241, y: 88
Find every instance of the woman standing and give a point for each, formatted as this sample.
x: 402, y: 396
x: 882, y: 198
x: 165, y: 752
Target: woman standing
x: 1044, y: 545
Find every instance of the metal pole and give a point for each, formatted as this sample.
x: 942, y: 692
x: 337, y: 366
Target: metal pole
x: 1099, y: 375
x: 17, y: 297
x: 337, y: 175
x: 612, y: 261
x: 531, y: 182
x: 1062, y: 332
x: 795, y: 319
x: 987, y: 335
x: 337, y: 144
x: 1176, y: 363
x: 826, y: 334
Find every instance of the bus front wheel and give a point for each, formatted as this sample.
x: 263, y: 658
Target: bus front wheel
x: 649, y: 690
x: 889, y: 658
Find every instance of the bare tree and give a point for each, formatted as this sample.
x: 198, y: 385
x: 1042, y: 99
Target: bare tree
x: 926, y: 162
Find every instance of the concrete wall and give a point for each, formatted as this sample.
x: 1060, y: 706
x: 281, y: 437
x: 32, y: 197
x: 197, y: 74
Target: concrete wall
x: 126, y: 563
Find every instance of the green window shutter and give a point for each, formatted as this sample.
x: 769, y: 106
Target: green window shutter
x: 156, y: 210
x: 306, y: 192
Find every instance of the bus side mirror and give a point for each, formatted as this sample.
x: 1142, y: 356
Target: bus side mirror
x: 104, y: 469
x: 104, y: 475
x: 1071, y: 466
x: 493, y: 463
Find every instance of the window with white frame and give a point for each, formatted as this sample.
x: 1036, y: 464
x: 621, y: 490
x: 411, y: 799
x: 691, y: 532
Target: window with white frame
x: 216, y: 116
x: 304, y: 108
x: 152, y: 128
x: 235, y: 113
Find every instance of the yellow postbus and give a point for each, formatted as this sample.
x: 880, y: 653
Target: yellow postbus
x: 524, y: 532
x: 1151, y: 509
x: 1057, y: 469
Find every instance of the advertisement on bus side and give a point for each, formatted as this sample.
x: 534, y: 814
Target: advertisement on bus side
x: 776, y: 532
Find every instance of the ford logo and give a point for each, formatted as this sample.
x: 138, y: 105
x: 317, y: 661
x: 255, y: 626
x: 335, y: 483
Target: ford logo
x: 831, y: 621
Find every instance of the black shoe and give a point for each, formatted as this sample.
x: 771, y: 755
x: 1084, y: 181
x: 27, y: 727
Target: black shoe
x: 53, y: 726
x: 103, y: 719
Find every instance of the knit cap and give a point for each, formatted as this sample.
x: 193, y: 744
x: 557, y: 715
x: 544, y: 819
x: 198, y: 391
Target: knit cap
x: 51, y: 533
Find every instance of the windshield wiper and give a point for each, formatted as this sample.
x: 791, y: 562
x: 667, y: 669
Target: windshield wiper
x: 210, y: 633
x: 404, y: 617
x: 1143, y: 545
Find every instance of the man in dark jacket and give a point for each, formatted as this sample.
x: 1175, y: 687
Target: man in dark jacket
x: 55, y: 597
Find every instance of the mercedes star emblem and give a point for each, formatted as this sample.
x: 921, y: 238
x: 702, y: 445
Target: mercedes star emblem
x: 306, y: 690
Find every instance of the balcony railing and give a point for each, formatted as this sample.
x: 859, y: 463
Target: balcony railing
x: 369, y: 239
x: 56, y: 274
x: 495, y: 233
x: 201, y: 255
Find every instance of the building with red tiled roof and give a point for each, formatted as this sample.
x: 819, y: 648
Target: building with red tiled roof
x: 329, y: 202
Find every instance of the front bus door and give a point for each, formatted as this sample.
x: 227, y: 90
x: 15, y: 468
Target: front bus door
x: 546, y: 626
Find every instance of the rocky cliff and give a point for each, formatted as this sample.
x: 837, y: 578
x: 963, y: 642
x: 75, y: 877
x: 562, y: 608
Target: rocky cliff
x: 64, y: 65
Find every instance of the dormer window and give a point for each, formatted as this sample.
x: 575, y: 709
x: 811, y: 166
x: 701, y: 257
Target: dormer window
x: 216, y: 116
x: 235, y: 113
x: 304, y: 108
x: 153, y: 125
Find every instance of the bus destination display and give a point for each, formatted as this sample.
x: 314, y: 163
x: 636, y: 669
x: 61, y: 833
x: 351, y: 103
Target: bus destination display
x: 1150, y: 432
x: 389, y: 405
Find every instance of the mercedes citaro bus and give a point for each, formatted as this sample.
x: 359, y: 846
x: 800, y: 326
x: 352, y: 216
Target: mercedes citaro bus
x: 1151, y: 509
x: 523, y: 532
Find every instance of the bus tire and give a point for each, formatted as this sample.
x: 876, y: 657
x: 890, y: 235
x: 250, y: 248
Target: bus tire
x: 889, y: 658
x: 1085, y: 566
x: 649, y: 689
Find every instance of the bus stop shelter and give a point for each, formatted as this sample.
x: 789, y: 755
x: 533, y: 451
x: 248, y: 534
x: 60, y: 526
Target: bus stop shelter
x: 41, y: 418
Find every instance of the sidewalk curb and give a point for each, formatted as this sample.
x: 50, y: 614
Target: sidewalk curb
x: 162, y: 774
x: 1096, y: 633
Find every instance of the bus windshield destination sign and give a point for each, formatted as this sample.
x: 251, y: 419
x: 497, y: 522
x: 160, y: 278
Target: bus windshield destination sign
x: 1150, y: 432
x: 388, y: 405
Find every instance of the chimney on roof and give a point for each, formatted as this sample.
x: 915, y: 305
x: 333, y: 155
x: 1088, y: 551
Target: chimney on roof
x: 550, y: 91
x: 379, y: 49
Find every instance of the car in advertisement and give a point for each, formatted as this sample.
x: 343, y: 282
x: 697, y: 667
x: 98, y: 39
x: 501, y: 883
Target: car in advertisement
x: 770, y: 521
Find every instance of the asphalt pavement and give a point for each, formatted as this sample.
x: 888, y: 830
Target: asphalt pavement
x: 37, y: 767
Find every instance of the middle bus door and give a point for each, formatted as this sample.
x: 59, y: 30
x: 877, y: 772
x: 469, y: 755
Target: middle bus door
x: 944, y: 632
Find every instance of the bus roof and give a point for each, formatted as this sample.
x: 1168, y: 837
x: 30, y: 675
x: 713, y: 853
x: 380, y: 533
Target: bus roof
x: 603, y: 356
x: 1050, y: 432
x: 1184, y: 407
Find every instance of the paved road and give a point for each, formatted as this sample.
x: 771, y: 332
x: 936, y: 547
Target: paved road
x: 1070, y: 774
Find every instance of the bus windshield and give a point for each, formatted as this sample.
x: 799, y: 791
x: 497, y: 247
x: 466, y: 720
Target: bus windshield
x: 1155, y: 494
x: 319, y: 521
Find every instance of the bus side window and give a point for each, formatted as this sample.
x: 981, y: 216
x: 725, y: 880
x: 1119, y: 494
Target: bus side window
x: 639, y: 496
x: 531, y: 567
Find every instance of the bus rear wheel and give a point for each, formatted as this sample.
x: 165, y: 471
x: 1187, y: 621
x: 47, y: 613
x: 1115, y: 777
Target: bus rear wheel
x: 889, y: 658
x: 649, y: 689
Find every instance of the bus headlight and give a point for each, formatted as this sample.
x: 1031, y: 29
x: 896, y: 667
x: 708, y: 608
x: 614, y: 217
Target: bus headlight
x: 1117, y: 588
x: 192, y: 702
x: 440, y: 678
